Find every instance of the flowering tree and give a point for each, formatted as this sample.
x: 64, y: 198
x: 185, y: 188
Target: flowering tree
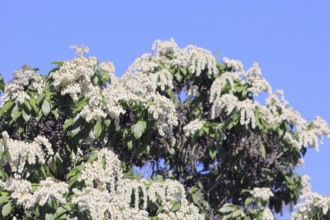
x: 73, y: 141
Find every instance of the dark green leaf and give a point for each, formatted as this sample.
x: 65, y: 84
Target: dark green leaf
x: 2, y: 84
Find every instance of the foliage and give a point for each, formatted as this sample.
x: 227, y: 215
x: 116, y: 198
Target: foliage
x: 72, y: 140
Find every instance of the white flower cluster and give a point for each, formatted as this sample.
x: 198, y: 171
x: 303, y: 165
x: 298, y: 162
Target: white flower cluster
x: 219, y: 84
x: 228, y: 103
x: 104, y: 172
x: 262, y: 193
x: 256, y: 81
x: 236, y: 65
x: 192, y: 127
x: 305, y: 135
x: 281, y: 111
x: 200, y: 59
x: 107, y: 191
x: 267, y: 214
x: 277, y: 109
x: 165, y: 194
x: 195, y: 58
x: 24, y: 79
x: 20, y: 152
x: 252, y: 79
x: 144, y: 64
x: 22, y: 191
x: 164, y: 112
x: 74, y: 76
x: 141, y: 84
x: 49, y: 188
x: 310, y: 203
x: 312, y: 136
x: 108, y: 68
x: 98, y: 202
x: 95, y: 109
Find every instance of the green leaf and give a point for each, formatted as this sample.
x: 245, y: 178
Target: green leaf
x: 58, y: 63
x: 80, y: 105
x: 6, y: 107
x: 213, y: 153
x: 97, y: 129
x: 74, y: 132
x: 55, y: 113
x: 183, y: 70
x: 176, y: 207
x: 195, y: 198
x: 4, y: 199
x: 26, y: 116
x: 6, y: 209
x: 49, y: 217
x: 227, y: 208
x: 60, y: 211
x: 237, y: 213
x: 178, y: 77
x: 139, y: 128
x: 34, y: 106
x: 130, y: 145
x: 2, y: 84
x: 46, y: 107
x: 27, y: 105
x: 263, y: 151
x: 68, y: 122
x: 248, y: 201
x: 15, y: 113
x: 107, y: 123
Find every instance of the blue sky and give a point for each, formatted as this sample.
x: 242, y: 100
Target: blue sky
x: 289, y: 39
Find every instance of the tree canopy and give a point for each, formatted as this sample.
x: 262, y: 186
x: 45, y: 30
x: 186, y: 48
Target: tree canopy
x: 178, y: 136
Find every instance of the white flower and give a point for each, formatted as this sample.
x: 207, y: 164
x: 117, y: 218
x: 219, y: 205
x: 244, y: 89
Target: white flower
x: 192, y: 127
x: 50, y: 189
x: 267, y: 214
x: 262, y: 193
x: 25, y: 79
x: 236, y: 65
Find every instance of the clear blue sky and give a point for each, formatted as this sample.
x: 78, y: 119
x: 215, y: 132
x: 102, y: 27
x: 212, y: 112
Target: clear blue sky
x: 290, y: 40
